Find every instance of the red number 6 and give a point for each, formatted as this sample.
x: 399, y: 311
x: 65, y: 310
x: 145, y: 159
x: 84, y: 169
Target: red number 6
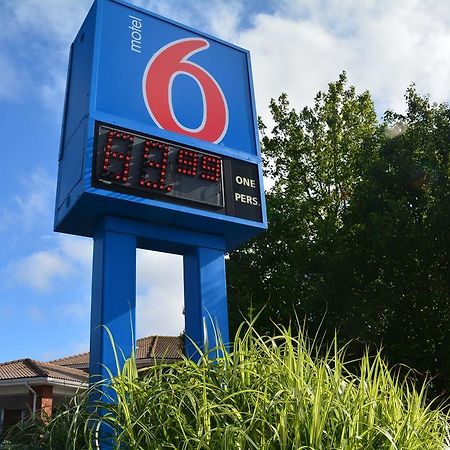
x: 170, y: 61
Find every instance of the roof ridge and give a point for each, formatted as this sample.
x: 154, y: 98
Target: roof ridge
x: 13, y: 361
x: 34, y: 365
x: 62, y: 368
x: 152, y: 336
x: 28, y: 368
x: 67, y: 357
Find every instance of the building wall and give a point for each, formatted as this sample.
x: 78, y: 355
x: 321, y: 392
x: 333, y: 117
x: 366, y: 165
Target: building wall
x: 15, y: 407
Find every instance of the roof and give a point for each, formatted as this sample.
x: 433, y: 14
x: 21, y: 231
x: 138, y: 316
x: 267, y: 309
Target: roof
x: 159, y: 347
x: 29, y: 368
x: 74, y: 367
x: 150, y: 347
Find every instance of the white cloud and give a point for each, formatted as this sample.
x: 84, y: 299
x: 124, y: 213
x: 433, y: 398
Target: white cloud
x: 77, y: 310
x: 158, y: 311
x: 221, y: 18
x: 38, y: 200
x: 294, y: 57
x: 69, y: 258
x: 402, y: 44
x: 217, y: 17
x: 52, y: 92
x: 383, y: 46
x: 159, y: 268
x: 160, y: 299
x: 56, y: 21
x: 9, y: 75
x: 77, y: 249
x: 32, y: 206
x: 40, y: 270
x: 35, y: 36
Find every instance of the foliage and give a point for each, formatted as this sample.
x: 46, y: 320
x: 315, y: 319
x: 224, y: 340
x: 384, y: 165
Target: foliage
x: 359, y: 227
x: 266, y: 393
x: 315, y: 157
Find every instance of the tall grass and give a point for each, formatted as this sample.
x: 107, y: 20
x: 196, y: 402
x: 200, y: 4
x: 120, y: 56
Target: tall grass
x: 265, y: 393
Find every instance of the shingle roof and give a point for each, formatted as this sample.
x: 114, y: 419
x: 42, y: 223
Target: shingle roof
x: 29, y: 368
x: 63, y: 372
x: 159, y: 347
x: 150, y: 347
x: 73, y: 360
x: 69, y: 368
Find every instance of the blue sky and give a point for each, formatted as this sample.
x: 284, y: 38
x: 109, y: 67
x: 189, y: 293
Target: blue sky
x: 296, y: 47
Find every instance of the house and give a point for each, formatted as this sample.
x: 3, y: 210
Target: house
x: 27, y: 385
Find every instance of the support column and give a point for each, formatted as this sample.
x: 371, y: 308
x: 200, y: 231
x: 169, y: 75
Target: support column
x: 113, y: 301
x: 113, y: 306
x: 205, y: 299
x: 44, y: 400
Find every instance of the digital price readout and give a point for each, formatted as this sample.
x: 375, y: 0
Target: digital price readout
x: 145, y: 166
x: 149, y: 167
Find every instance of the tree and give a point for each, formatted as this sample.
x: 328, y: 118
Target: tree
x: 314, y: 157
x: 399, y: 223
x: 358, y: 226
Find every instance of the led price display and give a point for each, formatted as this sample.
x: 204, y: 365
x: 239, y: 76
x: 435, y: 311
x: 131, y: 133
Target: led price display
x: 148, y: 167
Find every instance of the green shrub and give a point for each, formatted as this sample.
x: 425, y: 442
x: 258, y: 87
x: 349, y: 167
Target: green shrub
x: 265, y: 393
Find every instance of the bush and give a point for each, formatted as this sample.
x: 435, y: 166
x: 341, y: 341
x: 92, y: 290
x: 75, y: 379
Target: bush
x: 265, y: 393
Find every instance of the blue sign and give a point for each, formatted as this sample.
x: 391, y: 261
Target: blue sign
x: 177, y: 108
x: 159, y: 150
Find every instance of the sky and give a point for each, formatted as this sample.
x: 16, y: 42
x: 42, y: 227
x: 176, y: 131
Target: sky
x: 297, y: 47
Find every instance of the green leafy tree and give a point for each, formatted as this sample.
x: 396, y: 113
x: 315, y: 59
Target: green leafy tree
x: 399, y: 225
x: 314, y: 157
x: 359, y: 230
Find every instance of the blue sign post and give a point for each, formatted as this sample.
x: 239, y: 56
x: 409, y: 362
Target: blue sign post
x: 159, y: 150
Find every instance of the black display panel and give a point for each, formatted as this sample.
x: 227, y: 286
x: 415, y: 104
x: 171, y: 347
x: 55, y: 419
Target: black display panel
x: 242, y: 194
x: 151, y: 167
x: 144, y: 166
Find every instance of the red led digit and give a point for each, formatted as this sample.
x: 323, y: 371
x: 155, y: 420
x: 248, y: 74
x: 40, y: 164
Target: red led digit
x: 187, y: 161
x: 156, y: 181
x: 211, y: 168
x: 116, y: 164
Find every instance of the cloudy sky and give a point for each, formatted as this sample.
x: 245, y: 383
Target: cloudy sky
x: 297, y: 46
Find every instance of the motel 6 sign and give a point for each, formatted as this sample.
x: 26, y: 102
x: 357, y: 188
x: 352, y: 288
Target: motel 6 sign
x: 159, y: 150
x: 159, y: 126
